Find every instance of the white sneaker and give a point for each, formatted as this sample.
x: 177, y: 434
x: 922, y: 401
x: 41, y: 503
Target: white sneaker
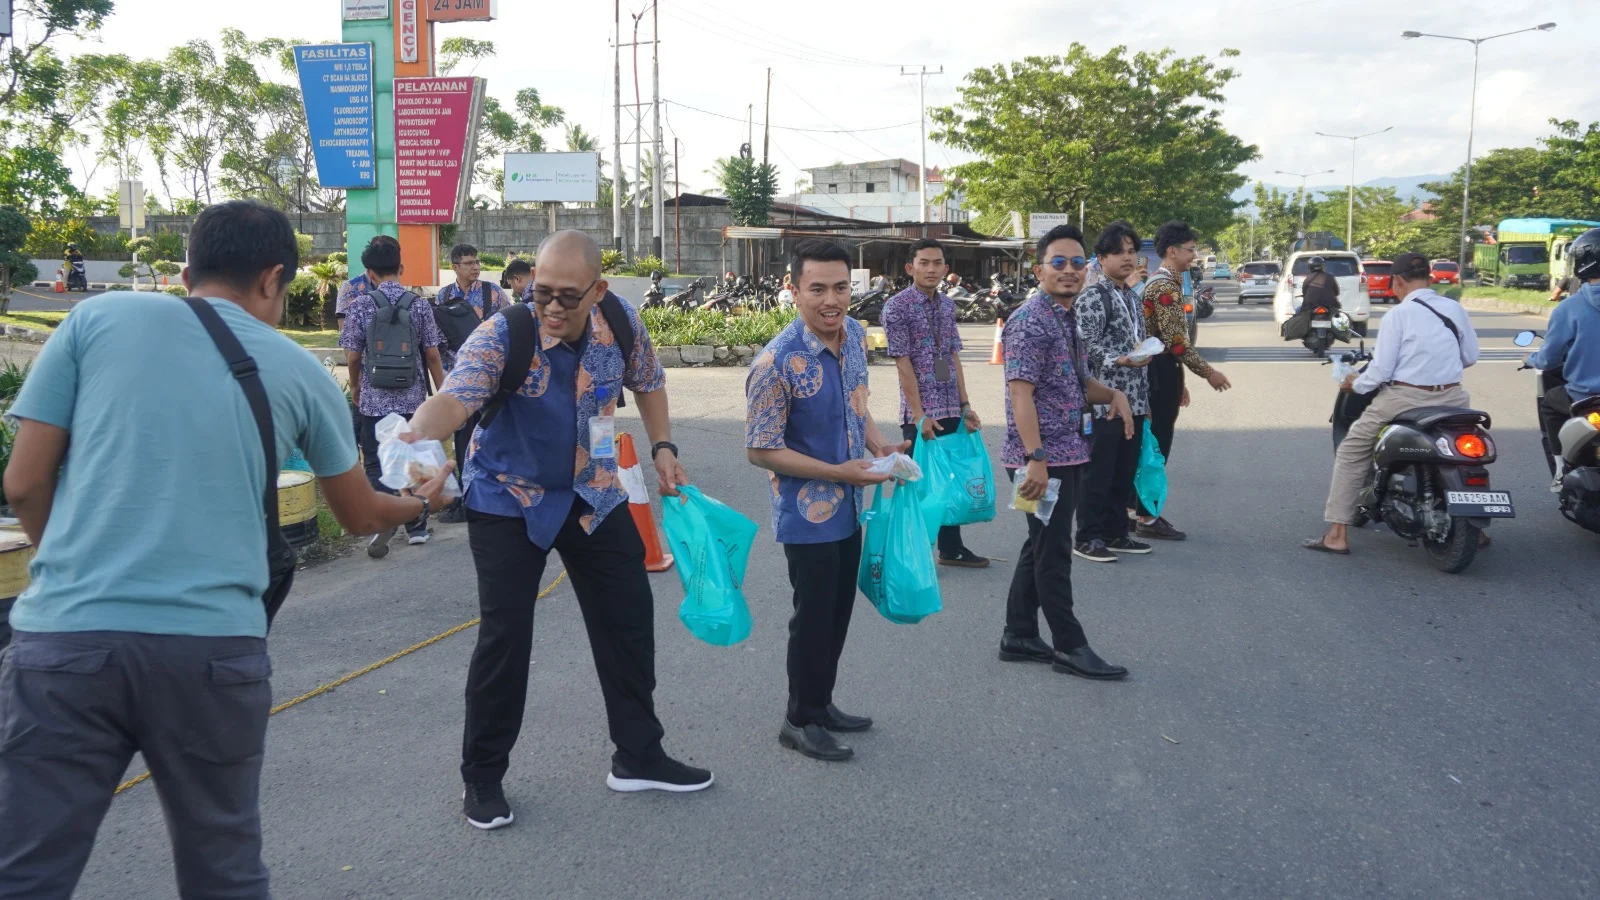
x: 1555, y: 483
x: 418, y: 539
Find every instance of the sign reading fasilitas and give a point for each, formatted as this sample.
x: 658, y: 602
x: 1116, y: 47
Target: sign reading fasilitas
x: 461, y: 10
x: 336, y: 87
x: 435, y: 139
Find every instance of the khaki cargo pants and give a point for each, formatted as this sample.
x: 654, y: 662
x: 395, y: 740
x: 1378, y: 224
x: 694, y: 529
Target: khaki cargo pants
x: 1354, y: 456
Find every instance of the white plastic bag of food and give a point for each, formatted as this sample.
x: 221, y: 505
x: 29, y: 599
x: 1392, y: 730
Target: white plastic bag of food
x: 409, y: 465
x: 1146, y: 349
x: 897, y: 465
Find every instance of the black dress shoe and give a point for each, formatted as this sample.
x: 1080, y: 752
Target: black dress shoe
x: 1025, y: 649
x: 836, y: 719
x: 1085, y: 663
x: 813, y: 741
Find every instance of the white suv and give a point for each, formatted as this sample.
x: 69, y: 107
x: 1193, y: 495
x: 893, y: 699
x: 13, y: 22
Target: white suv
x: 1259, y: 280
x: 1345, y: 267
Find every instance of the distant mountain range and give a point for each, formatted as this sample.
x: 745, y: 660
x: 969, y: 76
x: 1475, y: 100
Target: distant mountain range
x: 1407, y: 186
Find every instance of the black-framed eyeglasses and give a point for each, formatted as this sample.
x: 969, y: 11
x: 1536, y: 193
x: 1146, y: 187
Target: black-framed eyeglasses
x: 543, y: 295
x: 1060, y: 263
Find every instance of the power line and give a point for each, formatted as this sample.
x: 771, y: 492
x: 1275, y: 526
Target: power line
x: 762, y: 33
x: 790, y: 127
x: 715, y: 28
x: 790, y: 88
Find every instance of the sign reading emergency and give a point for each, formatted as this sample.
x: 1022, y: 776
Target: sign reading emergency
x: 336, y: 86
x: 410, y: 29
x: 461, y: 10
x: 435, y: 131
x: 362, y: 10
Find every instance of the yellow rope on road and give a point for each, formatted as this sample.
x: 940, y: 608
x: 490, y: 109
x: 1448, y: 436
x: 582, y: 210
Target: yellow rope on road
x: 319, y: 691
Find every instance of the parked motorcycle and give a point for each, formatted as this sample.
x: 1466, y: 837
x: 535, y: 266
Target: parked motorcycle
x: 868, y: 307
x: 1205, y: 302
x: 655, y: 294
x: 1579, y: 490
x: 1428, y: 480
x: 686, y: 299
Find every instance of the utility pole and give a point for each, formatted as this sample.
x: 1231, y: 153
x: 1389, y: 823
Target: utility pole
x: 638, y: 142
x: 677, y: 212
x: 922, y: 74
x: 766, y: 129
x: 657, y: 214
x: 616, y: 146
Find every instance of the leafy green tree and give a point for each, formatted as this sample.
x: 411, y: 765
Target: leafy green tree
x: 14, y: 228
x: 1379, y: 228
x: 1134, y: 137
x: 750, y: 188
x: 34, y: 179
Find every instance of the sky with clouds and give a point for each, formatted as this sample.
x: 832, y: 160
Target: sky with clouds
x: 1306, y: 66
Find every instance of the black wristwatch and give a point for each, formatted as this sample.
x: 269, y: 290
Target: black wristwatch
x: 1037, y: 455
x: 659, y: 446
x: 426, y: 507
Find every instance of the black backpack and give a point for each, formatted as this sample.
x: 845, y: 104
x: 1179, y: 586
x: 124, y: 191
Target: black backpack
x: 457, y: 319
x: 523, y: 334
x: 390, y: 357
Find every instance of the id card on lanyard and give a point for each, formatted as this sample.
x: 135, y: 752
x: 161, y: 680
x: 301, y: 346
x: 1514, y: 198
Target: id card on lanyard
x: 1086, y: 415
x: 602, y: 428
x: 941, y: 359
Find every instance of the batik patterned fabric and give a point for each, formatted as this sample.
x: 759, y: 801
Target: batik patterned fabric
x: 1041, y: 346
x: 1164, y: 318
x: 803, y: 397
x: 1112, y: 324
x: 534, y: 459
x: 353, y: 336
x: 925, y: 329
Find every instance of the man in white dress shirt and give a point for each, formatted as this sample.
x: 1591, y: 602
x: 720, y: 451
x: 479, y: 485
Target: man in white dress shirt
x: 1424, y: 345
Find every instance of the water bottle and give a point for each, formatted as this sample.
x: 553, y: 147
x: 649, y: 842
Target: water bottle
x: 1047, y: 503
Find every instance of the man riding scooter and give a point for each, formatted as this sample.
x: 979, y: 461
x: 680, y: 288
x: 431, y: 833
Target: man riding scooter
x: 75, y: 270
x: 1572, y: 343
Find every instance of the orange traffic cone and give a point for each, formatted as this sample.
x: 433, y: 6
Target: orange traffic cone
x: 997, y: 356
x: 628, y: 471
x: 61, y: 286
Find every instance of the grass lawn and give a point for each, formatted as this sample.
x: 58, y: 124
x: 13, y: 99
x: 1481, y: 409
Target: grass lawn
x: 47, y: 322
x: 312, y: 336
x: 1536, y: 299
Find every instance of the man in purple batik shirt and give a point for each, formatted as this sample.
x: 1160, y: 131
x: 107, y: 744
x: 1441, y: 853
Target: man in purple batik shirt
x: 920, y: 325
x: 1050, y: 399
x: 382, y: 262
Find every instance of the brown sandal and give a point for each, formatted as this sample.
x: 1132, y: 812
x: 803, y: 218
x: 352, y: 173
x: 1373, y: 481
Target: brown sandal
x: 1317, y: 545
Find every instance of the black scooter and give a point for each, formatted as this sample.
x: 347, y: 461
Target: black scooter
x: 77, y: 275
x: 1579, y: 488
x: 1428, y: 480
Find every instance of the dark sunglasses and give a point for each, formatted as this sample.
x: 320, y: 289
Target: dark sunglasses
x: 1060, y: 263
x: 543, y: 295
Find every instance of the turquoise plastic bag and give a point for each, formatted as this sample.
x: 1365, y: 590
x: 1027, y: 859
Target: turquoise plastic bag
x: 897, y: 572
x: 711, y: 543
x: 961, y: 479
x: 1150, y: 480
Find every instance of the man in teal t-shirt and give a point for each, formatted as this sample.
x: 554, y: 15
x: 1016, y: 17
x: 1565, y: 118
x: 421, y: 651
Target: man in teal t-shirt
x: 138, y: 472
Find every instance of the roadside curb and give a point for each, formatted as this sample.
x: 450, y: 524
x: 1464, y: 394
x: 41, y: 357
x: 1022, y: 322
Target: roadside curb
x: 1488, y: 305
x: 17, y: 332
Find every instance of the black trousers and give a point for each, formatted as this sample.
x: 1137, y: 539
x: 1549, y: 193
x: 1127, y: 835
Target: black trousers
x: 824, y: 581
x: 1108, y: 481
x: 374, y: 469
x: 607, y: 573
x: 950, y: 544
x: 1166, y: 392
x: 1555, y: 408
x: 1043, y: 577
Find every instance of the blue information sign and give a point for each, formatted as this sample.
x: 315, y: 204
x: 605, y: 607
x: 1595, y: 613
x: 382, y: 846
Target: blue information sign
x: 336, y: 87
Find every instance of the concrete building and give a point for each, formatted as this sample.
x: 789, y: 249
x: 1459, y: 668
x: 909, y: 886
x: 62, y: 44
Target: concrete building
x: 882, y: 191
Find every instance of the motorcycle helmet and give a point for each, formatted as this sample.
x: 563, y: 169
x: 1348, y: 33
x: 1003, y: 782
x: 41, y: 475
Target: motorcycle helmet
x: 1341, y: 322
x: 1318, y: 264
x: 1584, y: 254
x: 75, y: 246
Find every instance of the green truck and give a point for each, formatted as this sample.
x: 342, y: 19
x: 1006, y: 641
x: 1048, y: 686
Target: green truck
x: 1527, y: 253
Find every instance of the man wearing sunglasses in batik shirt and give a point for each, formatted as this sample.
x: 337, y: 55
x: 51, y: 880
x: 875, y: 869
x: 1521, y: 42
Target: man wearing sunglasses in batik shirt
x: 1164, y: 318
x: 1050, y: 399
x: 542, y: 476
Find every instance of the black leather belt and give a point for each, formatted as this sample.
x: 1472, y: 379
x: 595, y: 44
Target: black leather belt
x: 1430, y: 388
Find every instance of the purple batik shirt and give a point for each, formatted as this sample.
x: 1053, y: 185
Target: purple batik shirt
x: 1042, y: 347
x: 358, y: 318
x: 923, y: 330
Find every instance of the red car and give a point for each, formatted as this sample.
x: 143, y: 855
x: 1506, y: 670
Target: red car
x: 1446, y: 272
x: 1379, y: 282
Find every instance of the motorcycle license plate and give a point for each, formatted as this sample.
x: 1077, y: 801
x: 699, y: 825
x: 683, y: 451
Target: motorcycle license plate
x: 1484, y: 504
x: 1321, y: 325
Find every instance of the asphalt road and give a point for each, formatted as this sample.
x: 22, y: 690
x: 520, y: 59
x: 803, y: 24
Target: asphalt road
x: 1294, y: 725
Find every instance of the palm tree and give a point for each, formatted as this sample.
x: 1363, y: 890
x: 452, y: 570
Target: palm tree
x: 647, y: 174
x: 579, y: 141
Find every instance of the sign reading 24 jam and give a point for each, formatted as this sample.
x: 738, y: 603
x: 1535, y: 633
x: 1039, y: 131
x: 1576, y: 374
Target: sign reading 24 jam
x: 461, y: 10
x: 435, y: 139
x: 336, y: 87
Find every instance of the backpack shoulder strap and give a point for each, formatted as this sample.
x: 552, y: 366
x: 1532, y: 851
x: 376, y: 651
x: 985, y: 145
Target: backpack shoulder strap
x: 520, y: 334
x: 622, y: 328
x: 244, y: 370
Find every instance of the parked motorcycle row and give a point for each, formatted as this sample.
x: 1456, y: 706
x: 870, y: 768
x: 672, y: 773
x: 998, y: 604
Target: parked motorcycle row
x: 731, y: 295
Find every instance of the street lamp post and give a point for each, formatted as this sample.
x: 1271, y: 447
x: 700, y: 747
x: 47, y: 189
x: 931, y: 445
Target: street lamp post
x: 1472, y: 116
x: 1350, y: 215
x: 1303, y: 176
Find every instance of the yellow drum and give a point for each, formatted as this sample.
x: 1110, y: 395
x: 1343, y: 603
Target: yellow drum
x: 297, y: 507
x: 15, y: 554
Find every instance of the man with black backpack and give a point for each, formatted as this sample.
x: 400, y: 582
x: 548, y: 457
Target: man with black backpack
x: 392, y: 344
x: 547, y: 376
x: 144, y: 630
x: 462, y: 306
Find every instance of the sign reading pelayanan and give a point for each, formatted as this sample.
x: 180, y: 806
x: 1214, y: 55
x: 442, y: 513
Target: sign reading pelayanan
x: 336, y: 87
x: 435, y: 139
